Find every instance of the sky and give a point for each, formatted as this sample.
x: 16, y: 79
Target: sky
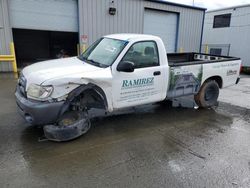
x: 212, y: 4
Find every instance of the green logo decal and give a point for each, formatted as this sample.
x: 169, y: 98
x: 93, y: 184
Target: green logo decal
x: 137, y: 82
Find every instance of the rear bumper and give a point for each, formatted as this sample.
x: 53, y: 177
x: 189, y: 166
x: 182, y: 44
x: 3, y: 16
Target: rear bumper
x: 36, y: 112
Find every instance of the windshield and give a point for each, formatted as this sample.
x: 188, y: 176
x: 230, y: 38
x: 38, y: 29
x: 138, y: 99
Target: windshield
x: 103, y: 52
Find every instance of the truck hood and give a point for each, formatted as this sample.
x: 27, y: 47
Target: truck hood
x: 40, y: 72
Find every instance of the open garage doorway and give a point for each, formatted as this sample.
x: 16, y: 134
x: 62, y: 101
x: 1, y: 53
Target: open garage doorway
x: 36, y: 45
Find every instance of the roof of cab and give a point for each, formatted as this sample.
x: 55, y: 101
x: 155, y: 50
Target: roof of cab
x: 130, y: 36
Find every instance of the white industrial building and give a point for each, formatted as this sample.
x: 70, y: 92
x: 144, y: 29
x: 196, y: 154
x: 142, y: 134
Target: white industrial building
x: 41, y: 28
x: 227, y: 32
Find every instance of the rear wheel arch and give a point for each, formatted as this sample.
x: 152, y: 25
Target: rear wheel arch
x: 217, y: 79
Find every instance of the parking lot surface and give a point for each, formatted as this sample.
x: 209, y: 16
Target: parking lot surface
x: 150, y: 146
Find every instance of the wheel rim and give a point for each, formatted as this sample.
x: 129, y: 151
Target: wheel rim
x: 211, y: 94
x: 68, y: 119
x: 87, y: 127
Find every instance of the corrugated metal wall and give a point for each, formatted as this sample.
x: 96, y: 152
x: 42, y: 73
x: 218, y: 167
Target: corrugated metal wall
x: 237, y: 35
x: 5, y: 34
x: 95, y: 21
x: 190, y: 25
x: 162, y: 24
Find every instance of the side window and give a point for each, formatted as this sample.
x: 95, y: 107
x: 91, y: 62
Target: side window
x: 143, y: 54
x: 222, y: 21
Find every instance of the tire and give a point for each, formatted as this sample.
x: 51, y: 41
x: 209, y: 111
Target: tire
x: 208, y: 94
x: 70, y: 126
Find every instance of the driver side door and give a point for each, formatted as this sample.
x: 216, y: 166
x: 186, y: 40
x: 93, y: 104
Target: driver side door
x: 143, y: 84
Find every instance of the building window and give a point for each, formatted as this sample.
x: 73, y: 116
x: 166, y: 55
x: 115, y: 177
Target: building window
x: 222, y: 20
x: 215, y: 51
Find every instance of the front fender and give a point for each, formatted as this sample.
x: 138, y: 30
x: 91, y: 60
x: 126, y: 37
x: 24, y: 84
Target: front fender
x: 79, y: 90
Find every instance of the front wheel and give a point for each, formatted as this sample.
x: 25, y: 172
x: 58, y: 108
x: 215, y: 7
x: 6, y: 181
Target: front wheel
x: 70, y: 126
x: 208, y: 94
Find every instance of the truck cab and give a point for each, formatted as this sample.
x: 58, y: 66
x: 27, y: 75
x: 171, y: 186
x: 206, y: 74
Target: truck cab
x: 140, y: 73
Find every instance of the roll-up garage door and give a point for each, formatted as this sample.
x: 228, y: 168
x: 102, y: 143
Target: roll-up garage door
x: 53, y: 15
x: 162, y: 24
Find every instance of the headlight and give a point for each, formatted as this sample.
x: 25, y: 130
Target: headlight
x: 39, y: 92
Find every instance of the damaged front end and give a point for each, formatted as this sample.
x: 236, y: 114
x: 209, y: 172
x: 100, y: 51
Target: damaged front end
x: 63, y: 119
x: 73, y: 118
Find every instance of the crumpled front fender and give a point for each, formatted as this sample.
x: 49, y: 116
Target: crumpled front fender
x: 79, y: 90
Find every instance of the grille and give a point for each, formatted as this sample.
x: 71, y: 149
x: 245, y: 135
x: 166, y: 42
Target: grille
x: 22, y: 85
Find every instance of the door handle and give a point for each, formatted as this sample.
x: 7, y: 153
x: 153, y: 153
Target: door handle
x: 157, y: 73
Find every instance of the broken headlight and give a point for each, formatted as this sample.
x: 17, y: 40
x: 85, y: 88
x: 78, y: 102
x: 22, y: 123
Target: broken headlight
x: 39, y: 92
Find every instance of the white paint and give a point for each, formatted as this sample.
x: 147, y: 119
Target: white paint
x: 39, y: 72
x: 160, y: 82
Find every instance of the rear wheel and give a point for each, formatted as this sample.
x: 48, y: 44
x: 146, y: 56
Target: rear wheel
x: 208, y: 94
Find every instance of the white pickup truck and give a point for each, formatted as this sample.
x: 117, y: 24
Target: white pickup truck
x: 115, y: 72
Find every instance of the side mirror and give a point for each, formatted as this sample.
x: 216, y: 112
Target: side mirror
x: 126, y: 66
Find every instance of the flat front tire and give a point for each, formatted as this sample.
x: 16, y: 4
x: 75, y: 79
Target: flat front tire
x: 208, y: 94
x: 70, y: 126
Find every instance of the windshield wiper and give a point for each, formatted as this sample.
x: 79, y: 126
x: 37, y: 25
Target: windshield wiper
x: 92, y: 62
x: 96, y: 63
x: 81, y: 58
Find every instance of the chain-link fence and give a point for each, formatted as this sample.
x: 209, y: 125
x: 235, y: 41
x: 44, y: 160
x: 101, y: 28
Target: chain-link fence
x: 216, y: 49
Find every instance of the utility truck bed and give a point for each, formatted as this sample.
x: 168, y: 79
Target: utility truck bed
x: 181, y: 59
